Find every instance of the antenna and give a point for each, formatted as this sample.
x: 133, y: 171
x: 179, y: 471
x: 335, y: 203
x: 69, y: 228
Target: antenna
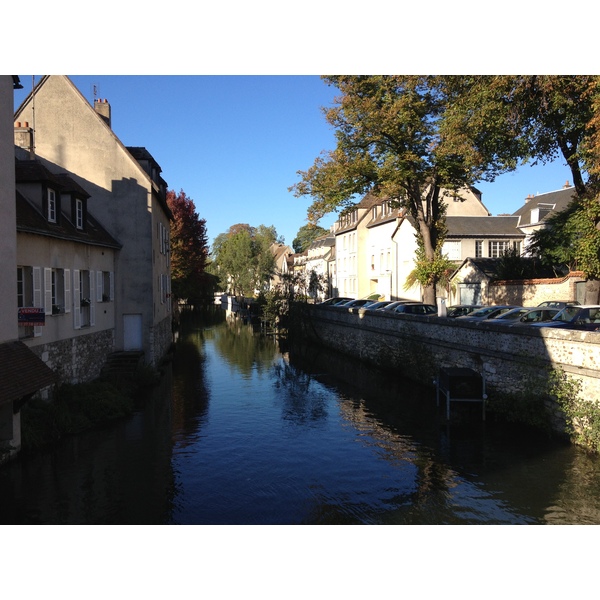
x: 95, y: 90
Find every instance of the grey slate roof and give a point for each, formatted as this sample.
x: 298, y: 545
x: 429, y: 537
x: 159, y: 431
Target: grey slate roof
x: 551, y: 201
x: 496, y: 227
x: 31, y: 220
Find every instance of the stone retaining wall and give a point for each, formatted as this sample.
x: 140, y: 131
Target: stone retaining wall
x: 77, y: 359
x: 515, y: 360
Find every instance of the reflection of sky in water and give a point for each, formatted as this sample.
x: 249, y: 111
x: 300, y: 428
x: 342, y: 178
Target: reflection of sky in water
x: 245, y: 435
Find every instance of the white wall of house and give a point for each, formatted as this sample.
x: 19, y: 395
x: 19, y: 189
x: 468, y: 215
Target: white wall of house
x: 380, y: 259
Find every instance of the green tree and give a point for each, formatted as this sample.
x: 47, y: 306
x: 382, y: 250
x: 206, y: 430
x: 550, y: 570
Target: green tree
x: 392, y: 141
x: 243, y: 258
x: 189, y: 249
x: 543, y: 118
x: 306, y: 235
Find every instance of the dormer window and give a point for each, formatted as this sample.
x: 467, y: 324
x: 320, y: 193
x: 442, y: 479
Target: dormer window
x: 51, y: 205
x: 79, y: 213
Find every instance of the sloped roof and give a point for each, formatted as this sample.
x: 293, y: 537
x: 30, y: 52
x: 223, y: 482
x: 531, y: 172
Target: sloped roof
x: 554, y: 201
x: 465, y: 227
x: 21, y: 372
x: 30, y: 219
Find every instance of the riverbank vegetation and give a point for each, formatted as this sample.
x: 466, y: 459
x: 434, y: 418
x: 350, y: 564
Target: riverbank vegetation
x: 80, y: 407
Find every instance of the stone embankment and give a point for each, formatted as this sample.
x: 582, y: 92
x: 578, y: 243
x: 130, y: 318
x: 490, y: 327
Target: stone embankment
x: 512, y: 360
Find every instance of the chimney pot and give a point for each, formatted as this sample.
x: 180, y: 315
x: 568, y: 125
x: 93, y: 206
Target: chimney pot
x: 18, y: 123
x: 567, y: 184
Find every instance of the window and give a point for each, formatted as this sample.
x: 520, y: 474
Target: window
x: 452, y: 249
x: 478, y: 248
x: 51, y: 205
x: 497, y: 248
x: 374, y: 212
x: 79, y: 213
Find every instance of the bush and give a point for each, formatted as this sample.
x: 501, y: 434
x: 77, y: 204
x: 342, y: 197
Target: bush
x: 75, y: 408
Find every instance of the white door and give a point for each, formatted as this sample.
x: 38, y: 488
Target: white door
x: 132, y: 332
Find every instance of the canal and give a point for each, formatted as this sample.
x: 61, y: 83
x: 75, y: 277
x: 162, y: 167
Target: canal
x: 243, y: 430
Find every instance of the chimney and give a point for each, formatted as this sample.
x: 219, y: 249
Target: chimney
x: 103, y: 109
x: 567, y: 185
x: 529, y: 197
x: 24, y: 137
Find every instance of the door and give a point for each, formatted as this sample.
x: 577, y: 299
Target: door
x: 470, y: 293
x: 132, y: 332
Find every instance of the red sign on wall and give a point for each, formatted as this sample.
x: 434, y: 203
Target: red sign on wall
x: 31, y: 317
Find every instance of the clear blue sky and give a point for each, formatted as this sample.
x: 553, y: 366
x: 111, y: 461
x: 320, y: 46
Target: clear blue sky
x: 234, y: 143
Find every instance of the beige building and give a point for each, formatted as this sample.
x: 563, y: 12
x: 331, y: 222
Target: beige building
x: 21, y: 372
x: 65, y: 274
x: 375, y: 244
x: 126, y: 194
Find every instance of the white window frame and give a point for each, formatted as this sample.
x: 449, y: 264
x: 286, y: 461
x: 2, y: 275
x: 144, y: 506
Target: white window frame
x: 79, y: 213
x: 51, y: 195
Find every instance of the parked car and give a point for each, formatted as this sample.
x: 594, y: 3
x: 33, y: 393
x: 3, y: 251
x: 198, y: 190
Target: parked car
x: 378, y: 305
x: 416, y: 308
x: 333, y: 301
x: 488, y: 312
x: 558, y: 303
x: 361, y: 303
x: 395, y: 303
x: 525, y: 316
x: 575, y: 317
x: 460, y: 310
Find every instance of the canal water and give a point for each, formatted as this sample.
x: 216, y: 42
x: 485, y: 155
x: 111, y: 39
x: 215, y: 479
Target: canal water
x: 244, y: 430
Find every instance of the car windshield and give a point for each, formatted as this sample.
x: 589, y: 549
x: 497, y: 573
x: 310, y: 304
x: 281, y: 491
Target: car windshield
x: 482, y: 312
x: 568, y: 313
x: 513, y: 314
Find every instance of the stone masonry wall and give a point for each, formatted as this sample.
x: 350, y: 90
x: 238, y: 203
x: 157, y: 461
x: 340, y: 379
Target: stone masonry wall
x: 533, y: 291
x: 515, y: 360
x: 78, y: 359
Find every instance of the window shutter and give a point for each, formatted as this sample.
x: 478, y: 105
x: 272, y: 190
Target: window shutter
x: 99, y: 287
x: 92, y: 300
x: 67, y: 278
x: 48, y: 291
x: 76, y: 300
x: 112, y: 286
x: 37, y: 295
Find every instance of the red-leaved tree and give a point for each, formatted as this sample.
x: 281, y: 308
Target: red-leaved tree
x: 189, y: 250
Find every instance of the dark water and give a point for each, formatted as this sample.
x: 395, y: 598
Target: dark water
x: 244, y: 432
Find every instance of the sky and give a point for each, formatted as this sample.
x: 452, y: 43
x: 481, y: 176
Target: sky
x: 234, y: 144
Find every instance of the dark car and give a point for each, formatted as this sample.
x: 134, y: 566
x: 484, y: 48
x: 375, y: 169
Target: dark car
x: 392, y: 305
x: 575, y: 317
x: 334, y: 301
x: 526, y: 316
x: 558, y: 303
x: 461, y: 310
x: 362, y: 303
x: 378, y: 305
x: 416, y: 308
x: 488, y: 312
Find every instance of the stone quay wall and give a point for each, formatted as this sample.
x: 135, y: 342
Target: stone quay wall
x: 514, y: 360
x: 77, y: 359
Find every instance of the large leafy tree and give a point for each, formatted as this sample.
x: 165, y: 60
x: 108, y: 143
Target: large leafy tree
x: 392, y: 142
x: 306, y: 235
x: 243, y: 258
x: 189, y: 249
x: 544, y: 118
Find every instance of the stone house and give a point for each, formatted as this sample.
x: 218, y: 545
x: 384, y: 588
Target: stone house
x: 126, y: 194
x: 65, y: 270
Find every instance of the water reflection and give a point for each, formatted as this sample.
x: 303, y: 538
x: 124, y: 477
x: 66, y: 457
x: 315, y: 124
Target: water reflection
x: 246, y: 430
